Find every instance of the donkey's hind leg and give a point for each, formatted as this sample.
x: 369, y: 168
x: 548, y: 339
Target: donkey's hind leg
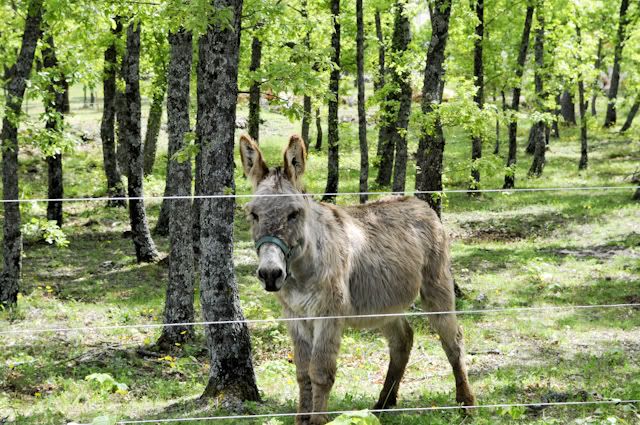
x: 438, y: 295
x: 400, y: 337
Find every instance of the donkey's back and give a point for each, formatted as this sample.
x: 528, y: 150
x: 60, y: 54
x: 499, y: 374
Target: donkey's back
x: 397, y: 246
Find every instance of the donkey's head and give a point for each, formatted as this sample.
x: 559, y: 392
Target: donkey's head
x: 277, y: 219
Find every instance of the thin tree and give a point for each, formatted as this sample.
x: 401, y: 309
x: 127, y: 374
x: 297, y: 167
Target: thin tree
x: 55, y: 108
x: 567, y: 108
x: 332, y: 120
x: 178, y: 306
x: 306, y: 100
x: 254, y: 90
x: 16, y: 77
x: 159, y: 88
x: 431, y: 144
x: 131, y: 116
x: 632, y: 114
x: 231, y: 373
x: 510, y: 177
x: 539, y: 127
x: 611, y: 117
x: 318, y: 130
x: 584, y: 147
x: 594, y: 87
x: 478, y: 74
x: 115, y: 188
x: 395, y: 108
x: 379, y: 81
x: 362, y: 118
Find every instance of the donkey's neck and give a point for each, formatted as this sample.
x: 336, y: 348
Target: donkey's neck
x: 325, y: 252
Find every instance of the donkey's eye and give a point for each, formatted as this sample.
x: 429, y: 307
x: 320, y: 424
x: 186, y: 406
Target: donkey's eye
x: 254, y: 217
x: 293, y: 216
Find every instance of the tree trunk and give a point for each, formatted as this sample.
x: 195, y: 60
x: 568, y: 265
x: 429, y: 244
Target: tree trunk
x: 231, y: 373
x: 362, y: 118
x: 150, y: 145
x: 115, y: 187
x: 582, y: 105
x: 539, y: 128
x: 568, y: 108
x: 611, y: 117
x: 632, y: 114
x: 431, y: 145
x: 402, y: 79
x: 510, y: 175
x: 334, y: 86
x: 318, y: 130
x: 178, y: 306
x: 55, y: 108
x: 15, y: 78
x: 254, y: 90
x: 144, y: 245
x: 496, y: 149
x: 379, y: 81
x: 556, y: 113
x: 595, y: 89
x: 478, y: 74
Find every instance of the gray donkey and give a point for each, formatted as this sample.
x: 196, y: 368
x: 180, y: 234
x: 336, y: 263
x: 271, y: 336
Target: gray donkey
x: 322, y: 260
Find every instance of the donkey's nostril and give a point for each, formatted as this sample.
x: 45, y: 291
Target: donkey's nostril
x: 270, y: 277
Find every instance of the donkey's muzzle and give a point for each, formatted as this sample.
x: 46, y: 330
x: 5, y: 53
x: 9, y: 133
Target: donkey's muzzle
x: 270, y: 277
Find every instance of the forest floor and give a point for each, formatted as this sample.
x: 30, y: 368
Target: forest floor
x: 509, y: 250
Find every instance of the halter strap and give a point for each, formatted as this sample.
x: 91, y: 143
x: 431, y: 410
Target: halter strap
x: 276, y: 241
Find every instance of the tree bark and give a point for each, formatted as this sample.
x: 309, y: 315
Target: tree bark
x: 539, y: 128
x: 231, y: 372
x: 318, y: 130
x: 632, y: 114
x: 130, y: 117
x: 150, y: 145
x: 584, y: 147
x: 115, y: 187
x: 55, y: 108
x: 431, y: 145
x: 611, y: 117
x: 478, y: 74
x: 332, y: 121
x: 254, y: 90
x: 595, y: 89
x: 178, y: 306
x: 402, y: 79
x: 510, y: 175
x: 15, y: 78
x: 362, y: 118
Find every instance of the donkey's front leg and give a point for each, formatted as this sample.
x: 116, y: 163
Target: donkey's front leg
x: 322, y: 370
x: 302, y: 345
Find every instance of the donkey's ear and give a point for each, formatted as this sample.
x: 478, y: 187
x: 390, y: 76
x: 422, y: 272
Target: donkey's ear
x: 252, y: 162
x: 295, y: 157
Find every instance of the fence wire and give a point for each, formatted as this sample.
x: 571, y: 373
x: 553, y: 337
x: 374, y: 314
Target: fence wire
x: 322, y: 194
x: 308, y: 318
x: 534, y: 406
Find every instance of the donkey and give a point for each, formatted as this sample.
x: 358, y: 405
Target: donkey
x: 322, y: 260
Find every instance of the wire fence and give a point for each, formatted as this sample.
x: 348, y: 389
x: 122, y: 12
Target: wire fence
x: 313, y: 318
x: 323, y: 194
x: 532, y: 405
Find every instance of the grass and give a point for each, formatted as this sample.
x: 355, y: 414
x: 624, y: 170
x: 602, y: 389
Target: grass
x: 522, y: 249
